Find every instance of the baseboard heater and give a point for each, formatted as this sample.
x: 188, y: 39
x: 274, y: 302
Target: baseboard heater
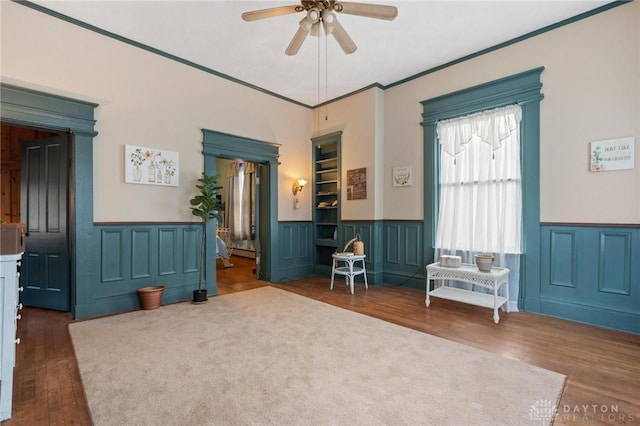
x: 251, y: 254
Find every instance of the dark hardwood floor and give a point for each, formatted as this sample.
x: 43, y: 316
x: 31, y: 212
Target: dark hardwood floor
x: 602, y: 366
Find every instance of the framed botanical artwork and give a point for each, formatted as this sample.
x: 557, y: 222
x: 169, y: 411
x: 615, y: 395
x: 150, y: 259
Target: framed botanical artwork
x: 149, y: 166
x: 402, y: 176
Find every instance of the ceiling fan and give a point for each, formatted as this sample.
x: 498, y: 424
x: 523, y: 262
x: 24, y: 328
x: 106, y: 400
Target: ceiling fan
x: 323, y: 12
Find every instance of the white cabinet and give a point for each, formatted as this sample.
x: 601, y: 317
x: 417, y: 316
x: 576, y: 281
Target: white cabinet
x: 9, y: 307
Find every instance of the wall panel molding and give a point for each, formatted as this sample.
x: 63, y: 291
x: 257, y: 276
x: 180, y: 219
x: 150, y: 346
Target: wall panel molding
x: 411, y: 241
x: 393, y: 244
x: 294, y: 250
x: 404, y: 253
x: 287, y: 245
x: 132, y: 256
x: 614, y: 263
x: 589, y: 275
x: 563, y: 259
x: 167, y: 251
x: 191, y: 242
x: 112, y: 255
x: 140, y: 253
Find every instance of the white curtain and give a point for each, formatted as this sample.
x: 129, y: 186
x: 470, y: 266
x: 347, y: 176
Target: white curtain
x: 240, y: 200
x: 480, y: 189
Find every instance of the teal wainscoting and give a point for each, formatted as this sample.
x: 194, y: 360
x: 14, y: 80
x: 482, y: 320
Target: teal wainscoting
x: 130, y: 256
x: 371, y: 235
x: 294, y: 246
x: 394, y: 250
x: 402, y: 253
x: 591, y: 274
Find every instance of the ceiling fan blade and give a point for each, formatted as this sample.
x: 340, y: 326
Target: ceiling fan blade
x: 299, y: 37
x: 377, y: 11
x: 254, y: 15
x: 341, y: 36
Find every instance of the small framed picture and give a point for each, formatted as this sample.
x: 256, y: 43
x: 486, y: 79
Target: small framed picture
x: 150, y: 166
x: 357, y: 184
x: 402, y: 176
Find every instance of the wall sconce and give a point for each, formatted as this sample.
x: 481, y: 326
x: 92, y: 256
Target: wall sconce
x: 298, y: 185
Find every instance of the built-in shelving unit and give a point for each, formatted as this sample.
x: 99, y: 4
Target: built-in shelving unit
x: 326, y: 200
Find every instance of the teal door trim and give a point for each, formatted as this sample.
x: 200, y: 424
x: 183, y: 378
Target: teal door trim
x: 25, y: 107
x: 224, y: 145
x: 524, y: 89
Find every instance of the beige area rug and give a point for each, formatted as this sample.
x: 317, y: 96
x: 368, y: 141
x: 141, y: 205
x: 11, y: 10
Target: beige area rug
x: 271, y: 357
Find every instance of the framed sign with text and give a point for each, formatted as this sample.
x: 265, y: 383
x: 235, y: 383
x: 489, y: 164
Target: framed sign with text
x: 612, y: 154
x: 402, y: 176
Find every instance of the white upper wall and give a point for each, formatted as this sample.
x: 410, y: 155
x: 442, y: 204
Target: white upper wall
x: 591, y: 87
x: 361, y: 146
x: 148, y: 100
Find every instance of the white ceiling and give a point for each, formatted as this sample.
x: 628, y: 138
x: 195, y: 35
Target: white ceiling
x: 425, y: 34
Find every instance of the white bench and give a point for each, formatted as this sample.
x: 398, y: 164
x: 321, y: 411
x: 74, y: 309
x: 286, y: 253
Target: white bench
x: 469, y: 273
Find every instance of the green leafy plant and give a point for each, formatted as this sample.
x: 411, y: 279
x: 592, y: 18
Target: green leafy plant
x: 206, y: 206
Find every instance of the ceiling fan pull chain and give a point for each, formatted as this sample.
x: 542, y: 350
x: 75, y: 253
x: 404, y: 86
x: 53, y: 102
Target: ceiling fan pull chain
x: 326, y: 78
x: 318, y: 70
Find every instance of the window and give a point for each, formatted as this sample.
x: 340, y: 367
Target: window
x: 480, y: 185
x: 525, y: 89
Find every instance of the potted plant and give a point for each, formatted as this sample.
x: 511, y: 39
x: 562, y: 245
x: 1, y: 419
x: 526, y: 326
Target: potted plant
x: 206, y: 206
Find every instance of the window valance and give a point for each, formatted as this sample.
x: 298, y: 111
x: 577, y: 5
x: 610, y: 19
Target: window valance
x: 492, y: 127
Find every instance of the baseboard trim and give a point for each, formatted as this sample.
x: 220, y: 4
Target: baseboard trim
x: 602, y: 317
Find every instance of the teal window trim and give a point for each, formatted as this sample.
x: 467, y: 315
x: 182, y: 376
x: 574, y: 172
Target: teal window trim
x: 524, y: 89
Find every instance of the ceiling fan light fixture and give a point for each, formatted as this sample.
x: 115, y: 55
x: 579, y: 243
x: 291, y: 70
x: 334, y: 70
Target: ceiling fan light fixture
x: 328, y: 16
x: 324, y: 11
x: 313, y: 14
x: 328, y: 19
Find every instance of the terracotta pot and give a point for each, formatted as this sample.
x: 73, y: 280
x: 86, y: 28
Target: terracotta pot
x: 150, y: 297
x: 484, y: 262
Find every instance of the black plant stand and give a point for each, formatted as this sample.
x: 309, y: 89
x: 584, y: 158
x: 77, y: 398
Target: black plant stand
x: 199, y: 296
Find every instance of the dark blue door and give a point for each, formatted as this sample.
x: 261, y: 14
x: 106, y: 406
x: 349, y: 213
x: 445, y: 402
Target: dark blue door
x: 44, y: 206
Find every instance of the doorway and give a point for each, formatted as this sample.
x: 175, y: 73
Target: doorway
x: 35, y: 191
x: 25, y: 108
x: 219, y: 147
x: 237, y: 229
